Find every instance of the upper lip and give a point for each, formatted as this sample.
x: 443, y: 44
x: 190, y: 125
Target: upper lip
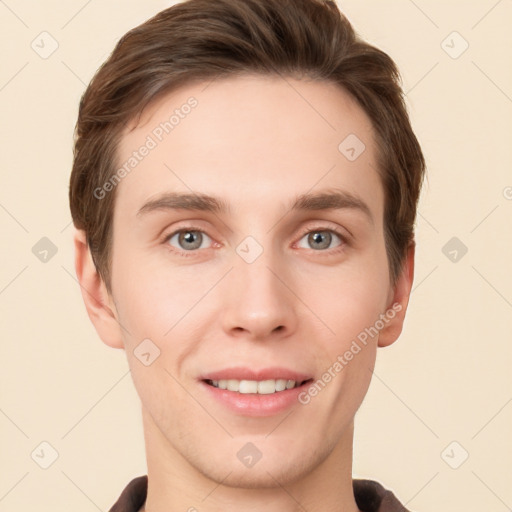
x: 243, y: 373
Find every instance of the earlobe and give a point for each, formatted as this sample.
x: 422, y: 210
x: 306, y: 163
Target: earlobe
x: 97, y: 300
x: 399, y: 301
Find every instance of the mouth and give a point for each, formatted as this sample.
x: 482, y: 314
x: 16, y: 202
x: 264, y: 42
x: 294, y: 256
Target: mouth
x: 260, y: 387
x: 249, y: 392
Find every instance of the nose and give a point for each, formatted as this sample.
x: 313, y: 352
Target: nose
x: 258, y: 303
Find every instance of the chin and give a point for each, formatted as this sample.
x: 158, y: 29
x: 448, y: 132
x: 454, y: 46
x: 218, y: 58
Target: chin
x: 267, y: 473
x: 255, y: 478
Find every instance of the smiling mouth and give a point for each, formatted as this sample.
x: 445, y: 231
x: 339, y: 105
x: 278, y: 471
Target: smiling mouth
x: 260, y: 387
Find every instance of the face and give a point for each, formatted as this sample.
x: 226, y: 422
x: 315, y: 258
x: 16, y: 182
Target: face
x: 266, y: 283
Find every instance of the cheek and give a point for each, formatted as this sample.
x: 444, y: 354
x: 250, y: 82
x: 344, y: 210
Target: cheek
x: 358, y: 299
x: 347, y: 300
x: 155, y: 308
x: 155, y: 298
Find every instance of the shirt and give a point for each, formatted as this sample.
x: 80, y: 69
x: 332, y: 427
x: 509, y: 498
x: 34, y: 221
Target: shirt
x: 370, y: 497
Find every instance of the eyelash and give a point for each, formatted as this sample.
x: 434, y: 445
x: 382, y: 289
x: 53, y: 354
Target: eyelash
x: 321, y: 229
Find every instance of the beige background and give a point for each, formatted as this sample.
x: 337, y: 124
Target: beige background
x: 447, y: 378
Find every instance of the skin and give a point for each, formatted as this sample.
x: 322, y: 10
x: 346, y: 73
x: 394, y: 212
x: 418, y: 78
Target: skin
x: 256, y: 142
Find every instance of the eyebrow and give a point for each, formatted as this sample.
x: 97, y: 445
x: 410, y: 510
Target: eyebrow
x: 328, y: 200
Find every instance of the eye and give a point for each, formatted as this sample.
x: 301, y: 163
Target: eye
x: 188, y: 239
x: 320, y: 239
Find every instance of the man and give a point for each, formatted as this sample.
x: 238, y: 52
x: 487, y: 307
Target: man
x: 244, y: 192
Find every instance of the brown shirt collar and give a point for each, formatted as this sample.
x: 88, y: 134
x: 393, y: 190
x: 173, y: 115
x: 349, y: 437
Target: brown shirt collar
x: 370, y: 497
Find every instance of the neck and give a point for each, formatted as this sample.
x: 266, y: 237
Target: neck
x: 174, y: 484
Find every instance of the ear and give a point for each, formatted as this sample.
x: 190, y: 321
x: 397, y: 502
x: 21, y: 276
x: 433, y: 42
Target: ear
x: 98, y: 302
x: 398, y: 301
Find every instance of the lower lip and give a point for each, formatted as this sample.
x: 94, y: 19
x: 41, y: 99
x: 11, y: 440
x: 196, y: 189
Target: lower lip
x: 254, y: 404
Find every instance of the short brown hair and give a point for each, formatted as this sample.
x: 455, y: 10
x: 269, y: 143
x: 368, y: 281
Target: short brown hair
x: 199, y: 40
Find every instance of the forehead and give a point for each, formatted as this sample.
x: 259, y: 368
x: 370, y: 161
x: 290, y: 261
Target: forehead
x: 253, y: 140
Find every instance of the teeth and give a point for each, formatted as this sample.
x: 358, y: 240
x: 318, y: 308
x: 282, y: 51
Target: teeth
x: 266, y: 387
x: 248, y: 386
x: 233, y: 385
x: 262, y: 387
x: 281, y: 385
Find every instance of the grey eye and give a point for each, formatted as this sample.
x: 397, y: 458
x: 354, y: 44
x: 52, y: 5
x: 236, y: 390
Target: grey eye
x: 188, y: 239
x: 319, y: 239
